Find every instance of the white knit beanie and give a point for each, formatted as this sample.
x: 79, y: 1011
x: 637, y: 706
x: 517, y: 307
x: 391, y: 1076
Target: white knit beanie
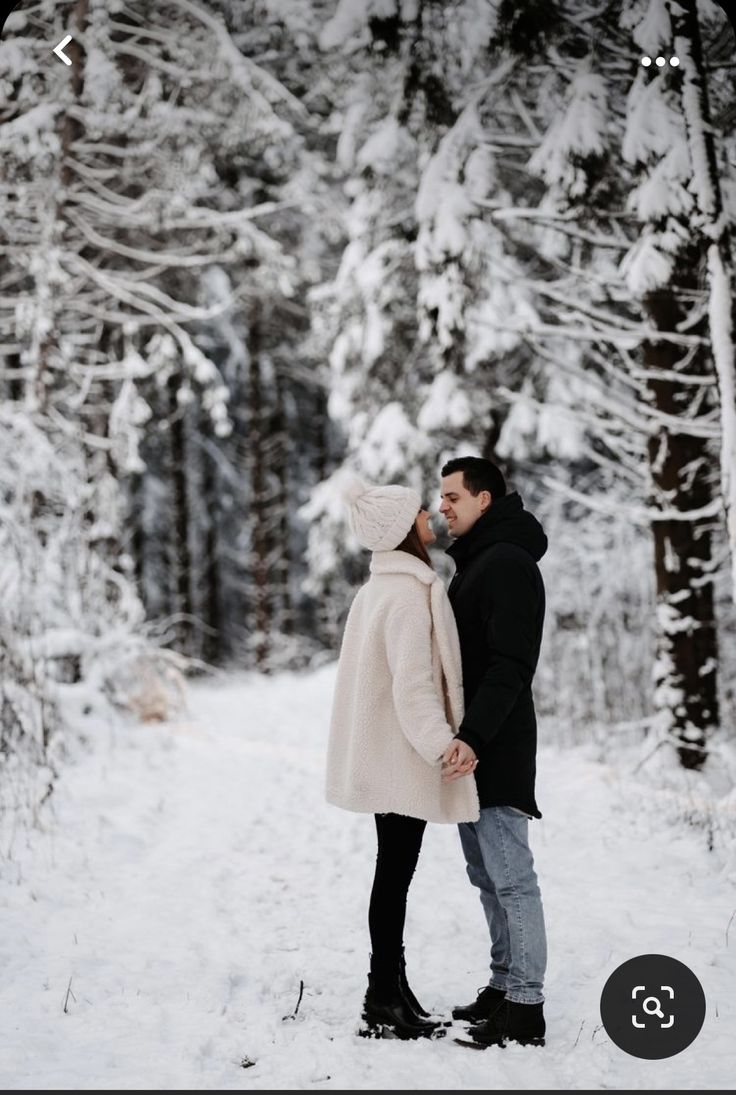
x: 380, y: 517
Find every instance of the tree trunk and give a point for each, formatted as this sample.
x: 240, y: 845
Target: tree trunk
x: 687, y: 652
x: 280, y: 465
x: 322, y: 608
x: 212, y: 641
x: 180, y: 554
x: 137, y: 536
x: 71, y: 128
x: 714, y: 228
x: 263, y: 608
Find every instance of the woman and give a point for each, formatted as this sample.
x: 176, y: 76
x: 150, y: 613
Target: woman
x: 397, y: 705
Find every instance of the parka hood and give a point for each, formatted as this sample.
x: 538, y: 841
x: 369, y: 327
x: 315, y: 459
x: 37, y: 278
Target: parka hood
x: 505, y: 522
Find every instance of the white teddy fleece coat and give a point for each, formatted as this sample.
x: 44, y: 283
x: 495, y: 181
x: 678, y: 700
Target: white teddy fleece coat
x: 398, y: 698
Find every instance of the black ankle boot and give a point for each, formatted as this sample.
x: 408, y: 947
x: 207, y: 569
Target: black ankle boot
x: 484, y: 1005
x: 386, y: 1013
x: 512, y: 1022
x: 411, y: 999
x: 406, y: 992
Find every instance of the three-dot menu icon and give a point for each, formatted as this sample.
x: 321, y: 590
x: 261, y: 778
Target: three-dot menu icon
x: 660, y: 62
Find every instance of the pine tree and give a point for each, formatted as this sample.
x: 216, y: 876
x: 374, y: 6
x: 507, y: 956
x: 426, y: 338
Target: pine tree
x: 498, y: 286
x: 671, y: 396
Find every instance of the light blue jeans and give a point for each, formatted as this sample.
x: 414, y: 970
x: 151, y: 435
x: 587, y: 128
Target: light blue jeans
x: 500, y: 863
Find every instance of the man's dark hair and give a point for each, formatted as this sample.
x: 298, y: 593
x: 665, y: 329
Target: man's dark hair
x: 478, y: 475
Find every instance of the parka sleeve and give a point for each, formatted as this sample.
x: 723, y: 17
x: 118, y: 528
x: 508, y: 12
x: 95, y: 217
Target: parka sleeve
x: 409, y: 653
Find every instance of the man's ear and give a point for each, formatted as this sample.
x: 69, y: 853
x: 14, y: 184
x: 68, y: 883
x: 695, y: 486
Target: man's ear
x: 490, y: 500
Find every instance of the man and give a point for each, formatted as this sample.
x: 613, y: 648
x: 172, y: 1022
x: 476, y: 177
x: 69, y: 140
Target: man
x: 497, y: 595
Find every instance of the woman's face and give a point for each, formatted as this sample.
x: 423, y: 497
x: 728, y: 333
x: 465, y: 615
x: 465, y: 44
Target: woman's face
x: 425, y: 530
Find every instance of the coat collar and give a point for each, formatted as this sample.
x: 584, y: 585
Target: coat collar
x: 505, y: 522
x: 401, y: 562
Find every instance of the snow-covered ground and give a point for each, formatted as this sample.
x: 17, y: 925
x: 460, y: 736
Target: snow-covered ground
x: 186, y: 878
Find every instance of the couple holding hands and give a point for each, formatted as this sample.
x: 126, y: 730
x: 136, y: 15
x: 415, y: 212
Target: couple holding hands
x: 433, y: 720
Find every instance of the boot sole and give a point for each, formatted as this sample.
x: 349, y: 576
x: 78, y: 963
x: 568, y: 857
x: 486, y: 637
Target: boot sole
x: 385, y: 1030
x: 465, y: 1016
x: 471, y: 1045
x: 502, y: 1043
x: 374, y: 1031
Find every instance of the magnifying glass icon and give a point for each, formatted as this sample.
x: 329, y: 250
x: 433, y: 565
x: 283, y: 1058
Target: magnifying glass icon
x: 657, y: 1010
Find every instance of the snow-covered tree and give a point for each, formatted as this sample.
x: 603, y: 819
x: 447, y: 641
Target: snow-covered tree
x: 409, y: 317
x: 250, y: 242
x: 617, y: 136
x: 154, y: 193
x: 522, y: 275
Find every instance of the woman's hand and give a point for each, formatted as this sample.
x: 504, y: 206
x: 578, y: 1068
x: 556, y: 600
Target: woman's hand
x: 458, y: 760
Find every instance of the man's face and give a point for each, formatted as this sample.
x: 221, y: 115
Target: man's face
x: 460, y: 508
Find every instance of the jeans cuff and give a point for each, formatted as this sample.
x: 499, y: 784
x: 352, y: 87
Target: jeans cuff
x: 495, y: 983
x: 518, y: 998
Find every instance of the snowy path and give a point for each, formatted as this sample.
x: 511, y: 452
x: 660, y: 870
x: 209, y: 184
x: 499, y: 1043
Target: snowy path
x: 187, y: 877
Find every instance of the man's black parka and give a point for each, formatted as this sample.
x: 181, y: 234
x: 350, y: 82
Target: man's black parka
x: 497, y: 596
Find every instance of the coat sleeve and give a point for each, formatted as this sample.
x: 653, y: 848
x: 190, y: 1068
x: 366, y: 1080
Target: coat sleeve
x: 409, y: 653
x: 510, y: 623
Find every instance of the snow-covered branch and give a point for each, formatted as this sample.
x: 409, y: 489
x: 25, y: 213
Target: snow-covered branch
x: 640, y: 515
x: 715, y: 226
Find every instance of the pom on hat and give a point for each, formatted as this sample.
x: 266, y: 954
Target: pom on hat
x: 351, y: 487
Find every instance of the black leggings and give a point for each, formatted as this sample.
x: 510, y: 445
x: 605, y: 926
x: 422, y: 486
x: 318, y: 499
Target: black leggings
x: 399, y: 842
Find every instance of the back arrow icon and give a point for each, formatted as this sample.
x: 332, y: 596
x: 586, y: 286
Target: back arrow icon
x: 59, y: 51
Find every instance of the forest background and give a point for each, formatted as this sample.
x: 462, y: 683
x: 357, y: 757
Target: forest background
x: 247, y: 244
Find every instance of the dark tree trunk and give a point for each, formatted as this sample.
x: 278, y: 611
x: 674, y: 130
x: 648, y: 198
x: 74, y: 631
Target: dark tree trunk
x: 424, y: 75
x: 180, y: 554
x: 71, y: 127
x: 262, y: 600
x: 14, y: 382
x: 137, y: 541
x: 322, y: 616
x: 321, y: 433
x: 687, y: 651
x: 151, y: 519
x: 212, y: 641
x: 280, y: 465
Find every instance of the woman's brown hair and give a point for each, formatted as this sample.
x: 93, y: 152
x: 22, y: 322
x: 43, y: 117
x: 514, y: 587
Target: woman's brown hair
x: 412, y: 544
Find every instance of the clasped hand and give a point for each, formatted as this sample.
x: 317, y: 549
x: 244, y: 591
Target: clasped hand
x: 458, y: 760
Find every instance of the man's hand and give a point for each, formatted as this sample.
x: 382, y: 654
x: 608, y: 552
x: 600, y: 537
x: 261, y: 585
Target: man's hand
x: 458, y: 760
